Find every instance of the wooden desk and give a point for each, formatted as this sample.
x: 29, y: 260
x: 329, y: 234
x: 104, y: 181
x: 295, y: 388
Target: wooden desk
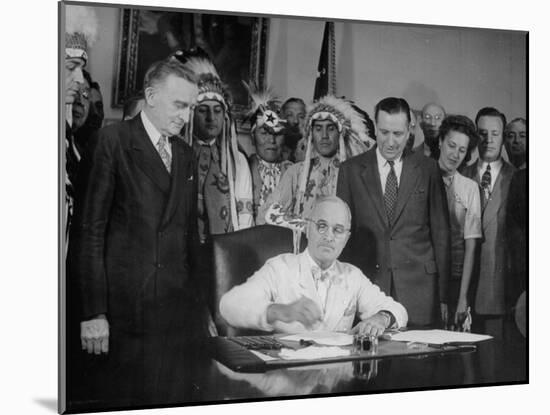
x: 178, y: 377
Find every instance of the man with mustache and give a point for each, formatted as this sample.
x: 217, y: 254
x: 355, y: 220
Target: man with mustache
x: 313, y: 290
x: 493, y: 176
x: 400, y: 234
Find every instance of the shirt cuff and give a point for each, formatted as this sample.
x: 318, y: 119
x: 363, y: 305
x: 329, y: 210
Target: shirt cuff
x: 390, y: 315
x: 263, y: 324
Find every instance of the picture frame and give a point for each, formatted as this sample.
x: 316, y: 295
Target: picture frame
x: 172, y: 30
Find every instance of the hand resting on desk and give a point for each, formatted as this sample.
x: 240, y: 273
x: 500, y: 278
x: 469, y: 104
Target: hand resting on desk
x: 374, y: 325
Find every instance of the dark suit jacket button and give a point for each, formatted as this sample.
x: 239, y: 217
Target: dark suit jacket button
x: 159, y: 265
x: 377, y: 266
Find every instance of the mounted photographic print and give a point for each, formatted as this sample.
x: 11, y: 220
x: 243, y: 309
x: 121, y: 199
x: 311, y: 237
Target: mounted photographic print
x: 256, y: 207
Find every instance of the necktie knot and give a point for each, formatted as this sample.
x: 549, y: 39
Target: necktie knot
x: 391, y: 163
x: 486, y: 178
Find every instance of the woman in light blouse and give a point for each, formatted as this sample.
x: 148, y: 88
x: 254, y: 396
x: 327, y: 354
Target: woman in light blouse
x: 457, y: 137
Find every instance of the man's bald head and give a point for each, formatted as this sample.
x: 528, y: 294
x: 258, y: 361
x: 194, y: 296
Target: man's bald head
x: 432, y: 117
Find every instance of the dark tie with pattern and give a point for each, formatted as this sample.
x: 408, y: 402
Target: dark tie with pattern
x: 390, y: 193
x: 486, y: 184
x: 162, y: 147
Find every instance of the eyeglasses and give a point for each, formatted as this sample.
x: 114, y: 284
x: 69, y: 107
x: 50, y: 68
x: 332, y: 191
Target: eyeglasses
x: 428, y: 117
x: 84, y: 93
x: 322, y: 227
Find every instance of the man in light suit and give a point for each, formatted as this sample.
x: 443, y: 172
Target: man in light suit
x: 493, y: 175
x: 135, y: 222
x: 400, y: 233
x: 313, y: 290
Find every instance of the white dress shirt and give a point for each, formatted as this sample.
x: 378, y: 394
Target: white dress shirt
x: 384, y: 168
x: 153, y: 133
x: 495, y: 170
x: 322, y: 285
x: 285, y: 278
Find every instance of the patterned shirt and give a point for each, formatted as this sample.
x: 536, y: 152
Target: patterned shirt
x: 465, y: 217
x: 322, y: 180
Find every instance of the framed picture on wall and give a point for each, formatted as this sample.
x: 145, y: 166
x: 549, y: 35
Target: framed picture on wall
x: 235, y: 43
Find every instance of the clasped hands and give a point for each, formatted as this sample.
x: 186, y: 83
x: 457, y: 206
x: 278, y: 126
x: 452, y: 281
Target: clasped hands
x: 94, y: 335
x: 306, y: 311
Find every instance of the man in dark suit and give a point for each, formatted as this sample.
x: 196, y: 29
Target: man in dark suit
x: 400, y: 235
x: 135, y: 221
x: 493, y: 175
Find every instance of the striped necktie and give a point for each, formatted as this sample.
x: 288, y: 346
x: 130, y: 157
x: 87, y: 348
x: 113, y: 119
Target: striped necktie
x: 162, y: 147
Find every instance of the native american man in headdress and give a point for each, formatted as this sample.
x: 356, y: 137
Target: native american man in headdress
x: 224, y: 182
x: 80, y: 33
x: 266, y: 165
x: 335, y: 131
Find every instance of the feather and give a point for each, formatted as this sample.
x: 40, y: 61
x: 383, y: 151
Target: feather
x: 83, y: 20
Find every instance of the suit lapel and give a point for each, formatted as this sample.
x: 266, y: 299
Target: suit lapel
x: 407, y: 183
x: 371, y: 179
x: 499, y: 189
x: 147, y: 157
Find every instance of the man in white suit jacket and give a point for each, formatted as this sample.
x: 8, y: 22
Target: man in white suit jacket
x: 313, y: 290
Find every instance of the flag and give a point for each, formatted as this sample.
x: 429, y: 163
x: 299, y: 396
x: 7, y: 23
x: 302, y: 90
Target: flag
x: 326, y: 71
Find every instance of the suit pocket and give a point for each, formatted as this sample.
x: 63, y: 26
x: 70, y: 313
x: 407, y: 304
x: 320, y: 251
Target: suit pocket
x: 419, y: 194
x: 430, y: 267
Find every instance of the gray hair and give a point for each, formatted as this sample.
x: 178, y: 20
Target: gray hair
x: 332, y: 199
x: 160, y: 70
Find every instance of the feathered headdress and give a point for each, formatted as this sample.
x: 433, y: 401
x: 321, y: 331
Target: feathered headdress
x: 265, y: 109
x: 233, y: 163
x: 352, y: 127
x: 80, y: 31
x: 353, y: 139
x: 211, y: 87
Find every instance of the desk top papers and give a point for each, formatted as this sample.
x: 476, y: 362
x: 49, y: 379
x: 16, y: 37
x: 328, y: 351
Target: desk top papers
x: 327, y: 338
x: 437, y: 336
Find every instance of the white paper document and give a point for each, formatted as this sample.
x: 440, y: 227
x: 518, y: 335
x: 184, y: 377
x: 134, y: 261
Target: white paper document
x: 313, y: 352
x: 437, y: 336
x: 327, y: 338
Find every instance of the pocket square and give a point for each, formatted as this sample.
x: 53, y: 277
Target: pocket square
x: 190, y: 178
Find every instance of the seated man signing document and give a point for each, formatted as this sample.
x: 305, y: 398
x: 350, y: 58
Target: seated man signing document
x: 313, y: 290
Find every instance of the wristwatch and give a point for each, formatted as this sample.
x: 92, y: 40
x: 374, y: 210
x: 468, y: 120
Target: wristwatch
x: 389, y: 316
